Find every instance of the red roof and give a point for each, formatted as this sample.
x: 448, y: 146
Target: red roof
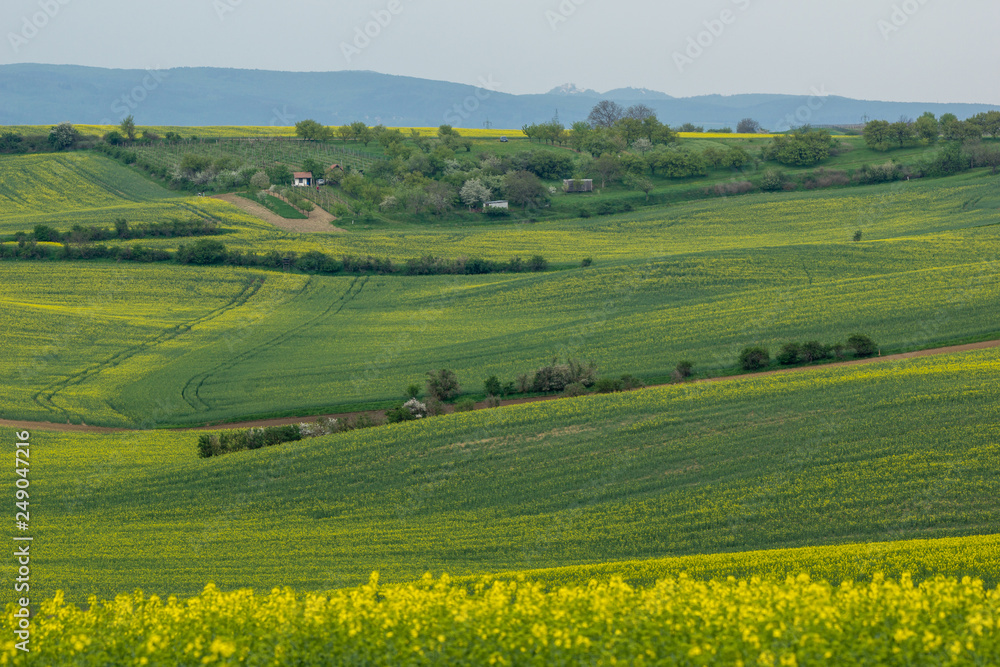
x: 303, y: 174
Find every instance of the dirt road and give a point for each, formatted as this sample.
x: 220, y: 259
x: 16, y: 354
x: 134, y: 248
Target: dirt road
x: 319, y: 220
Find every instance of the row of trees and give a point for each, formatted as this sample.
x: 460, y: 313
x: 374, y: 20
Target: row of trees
x: 61, y: 137
x: 881, y: 135
x: 756, y: 358
x: 75, y: 245
x: 122, y: 230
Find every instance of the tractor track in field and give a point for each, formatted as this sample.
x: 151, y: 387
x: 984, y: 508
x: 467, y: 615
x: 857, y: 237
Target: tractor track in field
x: 44, y: 397
x: 930, y: 352
x: 191, y: 392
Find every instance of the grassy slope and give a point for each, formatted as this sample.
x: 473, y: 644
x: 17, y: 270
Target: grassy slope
x: 695, y: 282
x: 861, y: 454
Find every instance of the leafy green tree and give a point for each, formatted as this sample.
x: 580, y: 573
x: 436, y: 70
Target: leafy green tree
x: 640, y: 183
x: 192, y: 163
x: 581, y: 132
x: 629, y: 129
x: 358, y: 129
x: 949, y: 126
x: 260, y: 181
x: 862, y: 345
x: 789, y: 354
x: 927, y: 127
x: 608, y: 167
x: 737, y: 157
x: 677, y: 162
x: 803, y: 147
x: 442, y: 384
x: 63, y: 136
x: 311, y: 130
x: 878, y: 135
x: 602, y: 140
x: 11, y: 142
x: 128, y: 127
x: 314, y: 166
x: 902, y: 133
x: 525, y: 189
x: 748, y: 126
x: 814, y: 350
x: 279, y: 174
x: 754, y: 358
x: 493, y: 386
x: 989, y: 121
x: 204, y: 252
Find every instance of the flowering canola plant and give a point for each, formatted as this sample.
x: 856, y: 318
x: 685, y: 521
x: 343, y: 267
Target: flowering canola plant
x: 677, y: 621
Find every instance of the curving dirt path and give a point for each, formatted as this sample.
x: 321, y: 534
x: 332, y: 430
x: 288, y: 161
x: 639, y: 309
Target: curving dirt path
x: 319, y: 221
x: 932, y: 352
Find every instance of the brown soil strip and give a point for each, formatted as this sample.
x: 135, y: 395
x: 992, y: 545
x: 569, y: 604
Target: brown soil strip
x: 319, y: 221
x: 74, y: 428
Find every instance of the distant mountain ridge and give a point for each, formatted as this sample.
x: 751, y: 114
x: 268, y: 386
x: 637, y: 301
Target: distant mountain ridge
x: 42, y: 94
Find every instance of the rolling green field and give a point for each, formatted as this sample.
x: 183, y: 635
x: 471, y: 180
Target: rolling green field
x: 850, y: 472
x: 873, y: 453
x: 127, y: 345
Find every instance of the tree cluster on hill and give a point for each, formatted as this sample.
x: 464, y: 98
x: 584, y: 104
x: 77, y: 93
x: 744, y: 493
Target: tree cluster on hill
x: 62, y: 137
x: 881, y: 135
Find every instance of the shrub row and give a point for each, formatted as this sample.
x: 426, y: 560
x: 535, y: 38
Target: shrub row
x: 122, y: 230
x: 226, y: 442
x: 756, y: 358
x: 211, y: 252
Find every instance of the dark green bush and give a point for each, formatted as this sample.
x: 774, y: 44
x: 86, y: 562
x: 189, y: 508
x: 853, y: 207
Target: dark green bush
x: 609, y: 385
x: 755, y: 358
x: 789, y: 354
x: 814, y: 351
x: 862, y: 345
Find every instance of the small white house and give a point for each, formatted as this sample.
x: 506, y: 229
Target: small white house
x: 500, y: 203
x: 578, y: 185
x: 303, y: 179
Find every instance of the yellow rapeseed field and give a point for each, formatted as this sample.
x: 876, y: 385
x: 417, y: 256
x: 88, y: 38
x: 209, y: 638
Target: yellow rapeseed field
x: 678, y: 621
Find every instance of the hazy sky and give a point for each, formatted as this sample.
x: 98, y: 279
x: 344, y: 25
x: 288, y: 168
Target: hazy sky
x: 898, y: 50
